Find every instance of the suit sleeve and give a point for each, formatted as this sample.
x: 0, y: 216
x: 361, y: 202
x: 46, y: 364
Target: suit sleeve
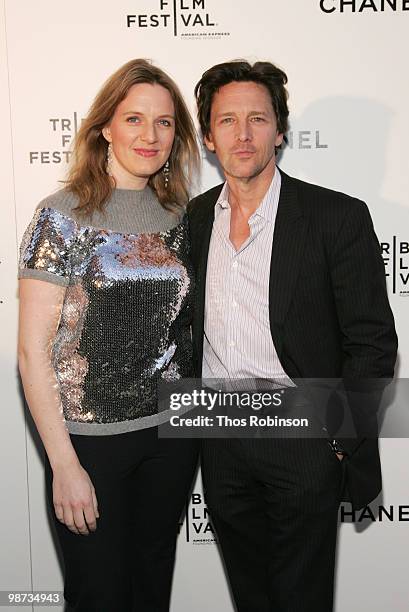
x: 365, y: 318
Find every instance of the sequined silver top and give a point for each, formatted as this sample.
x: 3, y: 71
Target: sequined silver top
x: 125, y: 320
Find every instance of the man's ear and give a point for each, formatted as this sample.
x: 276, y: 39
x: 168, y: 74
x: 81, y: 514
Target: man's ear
x: 106, y: 132
x: 279, y: 140
x: 209, y: 143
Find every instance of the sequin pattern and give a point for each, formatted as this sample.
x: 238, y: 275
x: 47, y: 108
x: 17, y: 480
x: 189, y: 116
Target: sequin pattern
x: 46, y: 243
x: 126, y: 314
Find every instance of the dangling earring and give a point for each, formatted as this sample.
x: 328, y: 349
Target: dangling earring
x: 166, y: 172
x: 109, y: 160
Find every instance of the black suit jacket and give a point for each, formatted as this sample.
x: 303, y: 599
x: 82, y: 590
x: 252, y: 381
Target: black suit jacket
x: 329, y: 311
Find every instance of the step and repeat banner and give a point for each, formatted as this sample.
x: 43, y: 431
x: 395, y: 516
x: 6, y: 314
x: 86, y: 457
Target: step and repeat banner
x: 349, y: 131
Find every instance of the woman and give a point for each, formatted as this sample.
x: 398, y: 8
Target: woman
x: 105, y: 300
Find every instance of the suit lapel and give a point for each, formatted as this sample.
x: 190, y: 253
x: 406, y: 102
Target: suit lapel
x: 288, y: 243
x: 203, y: 233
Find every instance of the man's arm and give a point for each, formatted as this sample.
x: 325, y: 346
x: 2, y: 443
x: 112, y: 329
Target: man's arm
x: 365, y: 318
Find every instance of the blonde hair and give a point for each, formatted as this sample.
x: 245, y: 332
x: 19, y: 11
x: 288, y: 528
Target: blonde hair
x: 87, y: 177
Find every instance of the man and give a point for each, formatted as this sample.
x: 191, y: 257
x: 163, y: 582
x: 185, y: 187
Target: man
x: 291, y: 286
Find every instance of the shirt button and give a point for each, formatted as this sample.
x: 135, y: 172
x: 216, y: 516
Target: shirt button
x: 234, y: 264
x: 232, y: 343
x: 234, y: 303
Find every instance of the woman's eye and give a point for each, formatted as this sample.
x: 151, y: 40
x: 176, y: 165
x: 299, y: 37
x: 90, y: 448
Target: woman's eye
x: 165, y: 122
x: 133, y: 119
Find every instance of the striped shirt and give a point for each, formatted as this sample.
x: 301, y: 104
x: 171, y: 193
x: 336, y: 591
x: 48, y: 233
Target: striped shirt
x: 237, y: 336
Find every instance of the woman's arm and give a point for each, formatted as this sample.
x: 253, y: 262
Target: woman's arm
x: 74, y: 497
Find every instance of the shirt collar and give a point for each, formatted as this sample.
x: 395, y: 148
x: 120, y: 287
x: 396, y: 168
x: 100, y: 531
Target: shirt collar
x: 268, y: 205
x: 223, y: 199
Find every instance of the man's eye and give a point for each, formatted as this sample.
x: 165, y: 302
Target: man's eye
x: 227, y: 120
x: 257, y: 119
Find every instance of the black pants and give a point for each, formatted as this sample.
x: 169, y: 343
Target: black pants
x: 142, y: 483
x: 274, y: 506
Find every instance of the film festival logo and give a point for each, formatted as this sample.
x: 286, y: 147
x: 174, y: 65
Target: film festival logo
x: 363, y: 6
x: 187, y: 19
x: 197, y: 527
x: 64, y: 129
x: 395, y: 255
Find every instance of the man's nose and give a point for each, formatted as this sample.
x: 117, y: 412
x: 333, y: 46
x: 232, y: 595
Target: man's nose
x: 244, y: 131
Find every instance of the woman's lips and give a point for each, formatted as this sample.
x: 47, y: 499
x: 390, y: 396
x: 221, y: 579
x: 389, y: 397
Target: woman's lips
x: 146, y: 152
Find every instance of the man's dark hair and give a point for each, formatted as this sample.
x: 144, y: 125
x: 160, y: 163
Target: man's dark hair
x: 263, y: 73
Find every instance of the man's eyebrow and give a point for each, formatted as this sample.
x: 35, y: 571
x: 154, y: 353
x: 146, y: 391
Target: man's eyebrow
x: 253, y: 112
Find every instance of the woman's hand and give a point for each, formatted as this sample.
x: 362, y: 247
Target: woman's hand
x: 75, y: 502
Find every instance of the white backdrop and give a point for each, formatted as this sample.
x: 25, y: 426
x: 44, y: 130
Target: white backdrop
x: 349, y: 130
